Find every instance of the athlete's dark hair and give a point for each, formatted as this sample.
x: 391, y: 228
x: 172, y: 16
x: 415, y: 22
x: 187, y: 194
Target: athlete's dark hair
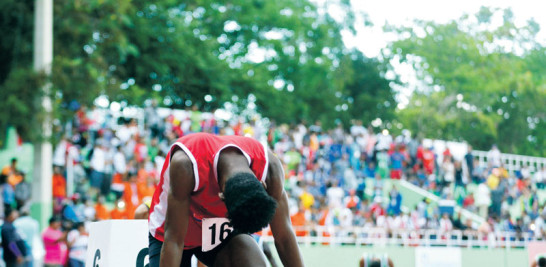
x: 541, y: 262
x: 249, y: 206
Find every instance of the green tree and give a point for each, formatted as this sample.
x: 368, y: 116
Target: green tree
x: 288, y: 54
x: 483, y: 84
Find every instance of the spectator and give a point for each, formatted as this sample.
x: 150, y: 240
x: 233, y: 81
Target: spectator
x: 130, y: 196
x: 483, y: 199
x: 22, y: 192
x: 14, y: 176
x: 58, y: 183
x: 493, y: 180
x: 477, y: 173
x: 351, y: 201
x: 69, y: 210
x: 396, y: 160
x: 539, y: 177
x: 445, y: 224
x: 540, y: 226
x: 8, y: 194
x: 428, y: 161
x: 77, y: 243
x: 369, y: 171
x: 29, y: 229
x: 299, y: 221
x: 15, y: 250
x: 395, y: 202
x: 306, y: 198
x: 152, y: 119
x: 382, y: 163
x: 468, y: 202
x: 98, y: 168
x: 101, y: 212
x: 54, y: 243
x: 494, y: 157
x: 469, y: 160
x: 119, y: 163
x: 118, y: 214
x: 335, y: 195
x: 448, y: 170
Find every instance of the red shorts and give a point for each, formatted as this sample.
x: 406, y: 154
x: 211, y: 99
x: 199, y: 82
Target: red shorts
x: 396, y: 174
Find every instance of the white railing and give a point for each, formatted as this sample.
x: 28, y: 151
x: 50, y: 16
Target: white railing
x: 425, y: 237
x: 466, y: 214
x: 512, y: 162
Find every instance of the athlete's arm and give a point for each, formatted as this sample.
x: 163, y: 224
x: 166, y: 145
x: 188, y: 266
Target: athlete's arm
x: 141, y: 212
x: 176, y: 221
x: 281, y: 227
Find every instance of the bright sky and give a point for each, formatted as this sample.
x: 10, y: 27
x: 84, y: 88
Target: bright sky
x: 399, y: 12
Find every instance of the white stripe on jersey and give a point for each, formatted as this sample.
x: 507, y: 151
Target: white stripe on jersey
x: 266, y: 156
x: 217, y: 156
x: 157, y: 218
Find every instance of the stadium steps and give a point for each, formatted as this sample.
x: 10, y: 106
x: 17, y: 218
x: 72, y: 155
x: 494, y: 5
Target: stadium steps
x: 411, y: 195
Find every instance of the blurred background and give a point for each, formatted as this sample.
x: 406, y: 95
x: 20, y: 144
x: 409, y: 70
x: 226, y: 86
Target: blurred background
x: 403, y: 126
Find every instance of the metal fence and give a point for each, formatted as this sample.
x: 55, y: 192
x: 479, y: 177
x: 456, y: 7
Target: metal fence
x: 360, y: 236
x: 513, y: 162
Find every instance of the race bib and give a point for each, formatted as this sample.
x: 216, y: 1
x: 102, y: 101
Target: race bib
x: 215, y: 231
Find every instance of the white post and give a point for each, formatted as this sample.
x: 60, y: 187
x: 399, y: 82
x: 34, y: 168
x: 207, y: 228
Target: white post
x: 43, y: 57
x: 69, y: 175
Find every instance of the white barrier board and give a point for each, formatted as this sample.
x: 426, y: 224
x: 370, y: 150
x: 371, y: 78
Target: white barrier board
x: 109, y: 244
x: 438, y: 257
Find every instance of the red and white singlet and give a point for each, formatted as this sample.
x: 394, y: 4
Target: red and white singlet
x: 203, y: 149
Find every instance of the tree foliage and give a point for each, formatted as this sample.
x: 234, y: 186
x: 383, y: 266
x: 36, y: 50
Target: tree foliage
x: 484, y: 84
x: 288, y: 54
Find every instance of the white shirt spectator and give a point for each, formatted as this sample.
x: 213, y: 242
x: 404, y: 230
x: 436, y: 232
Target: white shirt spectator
x: 449, y: 171
x: 540, y: 226
x: 98, y: 160
x: 397, y: 223
x: 78, y: 250
x: 540, y: 175
x: 381, y: 221
x: 123, y: 133
x: 335, y: 196
x: 96, y: 116
x: 298, y: 135
x: 445, y: 225
x: 525, y: 172
x: 494, y: 157
x: 89, y: 212
x: 383, y: 141
x: 59, y: 156
x: 357, y: 130
x: 482, y: 195
x: 120, y: 164
x: 158, y: 161
x: 405, y: 222
x: 349, y: 177
x: 346, y: 218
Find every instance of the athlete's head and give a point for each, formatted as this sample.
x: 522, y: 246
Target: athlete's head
x: 249, y: 206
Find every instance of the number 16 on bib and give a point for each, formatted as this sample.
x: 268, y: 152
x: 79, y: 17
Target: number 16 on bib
x: 214, y: 232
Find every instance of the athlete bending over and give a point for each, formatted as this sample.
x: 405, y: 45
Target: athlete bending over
x: 219, y: 189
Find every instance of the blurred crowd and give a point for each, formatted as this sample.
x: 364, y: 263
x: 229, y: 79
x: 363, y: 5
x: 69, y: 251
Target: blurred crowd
x: 337, y: 179
x: 105, y: 166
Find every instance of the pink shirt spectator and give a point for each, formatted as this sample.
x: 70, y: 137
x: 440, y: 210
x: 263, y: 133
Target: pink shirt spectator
x: 55, y: 251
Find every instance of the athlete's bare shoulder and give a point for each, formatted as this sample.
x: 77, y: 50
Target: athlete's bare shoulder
x: 181, y: 172
x: 180, y: 158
